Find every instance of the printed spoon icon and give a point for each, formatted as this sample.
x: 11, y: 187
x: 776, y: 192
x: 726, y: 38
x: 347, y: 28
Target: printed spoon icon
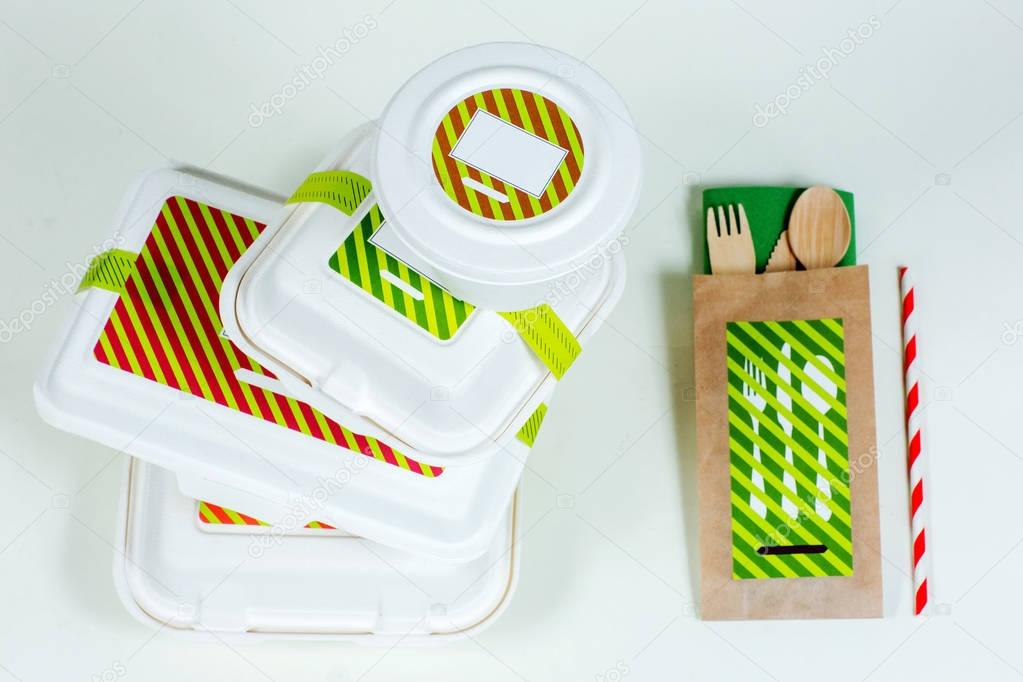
x: 812, y: 395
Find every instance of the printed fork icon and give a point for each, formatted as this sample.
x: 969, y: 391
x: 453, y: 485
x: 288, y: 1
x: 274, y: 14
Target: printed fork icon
x: 759, y: 402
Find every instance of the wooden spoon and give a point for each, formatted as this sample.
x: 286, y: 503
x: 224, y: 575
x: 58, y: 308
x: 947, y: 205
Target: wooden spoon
x: 819, y: 228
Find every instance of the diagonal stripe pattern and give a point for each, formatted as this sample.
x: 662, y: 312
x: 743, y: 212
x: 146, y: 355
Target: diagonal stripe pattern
x: 343, y: 190
x: 213, y: 514
x: 788, y: 448
x: 547, y: 335
x: 533, y: 113
x: 529, y: 431
x: 361, y: 262
x: 166, y: 326
x: 439, y: 312
x: 109, y: 270
x: 914, y: 439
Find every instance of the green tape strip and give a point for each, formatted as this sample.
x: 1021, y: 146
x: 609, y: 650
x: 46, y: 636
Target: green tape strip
x: 109, y: 270
x: 343, y: 190
x: 547, y: 335
x: 527, y: 434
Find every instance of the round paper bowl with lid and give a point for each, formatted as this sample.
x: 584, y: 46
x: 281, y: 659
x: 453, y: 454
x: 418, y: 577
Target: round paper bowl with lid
x: 504, y: 167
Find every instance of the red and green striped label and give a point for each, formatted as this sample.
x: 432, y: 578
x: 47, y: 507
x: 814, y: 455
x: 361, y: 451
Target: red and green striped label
x: 215, y: 515
x: 166, y: 328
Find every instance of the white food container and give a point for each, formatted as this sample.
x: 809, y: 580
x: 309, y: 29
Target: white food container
x: 376, y: 355
x: 124, y: 374
x: 408, y: 338
x: 178, y: 573
x: 504, y: 167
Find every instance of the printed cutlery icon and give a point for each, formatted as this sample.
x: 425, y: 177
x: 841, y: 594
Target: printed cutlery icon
x: 759, y: 402
x: 819, y: 403
x: 785, y: 376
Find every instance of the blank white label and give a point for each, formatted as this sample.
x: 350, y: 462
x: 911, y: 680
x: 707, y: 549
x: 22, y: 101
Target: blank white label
x: 508, y: 153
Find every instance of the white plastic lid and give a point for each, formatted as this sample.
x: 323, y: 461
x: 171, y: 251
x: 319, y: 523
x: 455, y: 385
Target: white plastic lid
x: 502, y: 167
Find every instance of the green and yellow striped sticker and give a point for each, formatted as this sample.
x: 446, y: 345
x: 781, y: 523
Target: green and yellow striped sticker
x: 418, y: 299
x: 433, y: 308
x: 788, y: 449
x: 414, y: 296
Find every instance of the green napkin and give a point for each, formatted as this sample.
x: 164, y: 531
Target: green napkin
x: 767, y: 209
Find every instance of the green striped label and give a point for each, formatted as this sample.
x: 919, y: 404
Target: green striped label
x: 402, y: 289
x: 788, y: 449
x: 431, y: 307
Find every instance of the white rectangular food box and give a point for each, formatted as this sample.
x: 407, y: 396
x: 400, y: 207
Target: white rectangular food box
x: 150, y: 373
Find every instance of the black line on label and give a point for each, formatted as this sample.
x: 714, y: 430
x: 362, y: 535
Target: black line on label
x: 780, y: 550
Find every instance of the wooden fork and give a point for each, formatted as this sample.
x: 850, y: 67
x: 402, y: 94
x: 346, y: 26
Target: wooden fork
x: 730, y: 243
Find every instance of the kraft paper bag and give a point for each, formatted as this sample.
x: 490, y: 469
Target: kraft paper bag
x: 788, y: 507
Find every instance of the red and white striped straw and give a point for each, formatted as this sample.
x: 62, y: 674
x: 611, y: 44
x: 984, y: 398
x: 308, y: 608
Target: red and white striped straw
x: 915, y: 445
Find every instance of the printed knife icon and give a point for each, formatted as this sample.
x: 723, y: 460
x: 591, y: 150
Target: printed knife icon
x: 785, y: 376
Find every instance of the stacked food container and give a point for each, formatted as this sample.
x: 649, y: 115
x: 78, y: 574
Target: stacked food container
x: 329, y: 402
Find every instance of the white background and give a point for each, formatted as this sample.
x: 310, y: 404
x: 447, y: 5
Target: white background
x: 922, y: 121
